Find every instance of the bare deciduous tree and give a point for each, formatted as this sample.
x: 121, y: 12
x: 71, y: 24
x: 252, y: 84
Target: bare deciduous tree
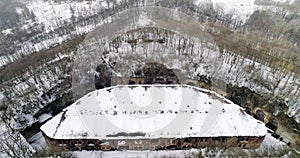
x: 12, y: 143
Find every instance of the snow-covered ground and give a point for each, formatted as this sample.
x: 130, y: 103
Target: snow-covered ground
x: 7, y: 31
x: 135, y: 154
x: 241, y: 9
x: 38, y: 142
x: 44, y: 117
x: 284, y: 1
x: 271, y: 142
x: 51, y: 14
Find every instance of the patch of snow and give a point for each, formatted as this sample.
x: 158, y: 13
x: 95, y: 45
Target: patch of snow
x: 268, y: 147
x: 271, y: 142
x: 19, y: 10
x: 3, y: 60
x: 53, y: 14
x: 144, y: 20
x: 21, y: 87
x: 24, y: 118
x: 44, y: 117
x: 284, y: 1
x: 1, y: 96
x: 135, y: 154
x: 7, y: 31
x: 84, y: 29
x: 242, y: 9
x: 37, y: 142
x: 50, y: 42
x: 60, y: 57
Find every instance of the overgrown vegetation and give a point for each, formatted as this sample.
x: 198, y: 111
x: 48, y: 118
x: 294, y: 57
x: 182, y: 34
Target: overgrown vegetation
x: 53, y: 152
x: 275, y: 109
x: 12, y: 143
x: 277, y: 54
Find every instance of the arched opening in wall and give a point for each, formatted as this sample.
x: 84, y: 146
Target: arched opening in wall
x: 191, y: 84
x: 154, y: 141
x: 248, y: 110
x: 102, y: 76
x: 104, y: 147
x: 260, y: 115
x: 272, y: 124
x: 171, y: 147
x: 123, y: 147
x: 78, y: 148
x: 71, y: 145
x: 90, y: 145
